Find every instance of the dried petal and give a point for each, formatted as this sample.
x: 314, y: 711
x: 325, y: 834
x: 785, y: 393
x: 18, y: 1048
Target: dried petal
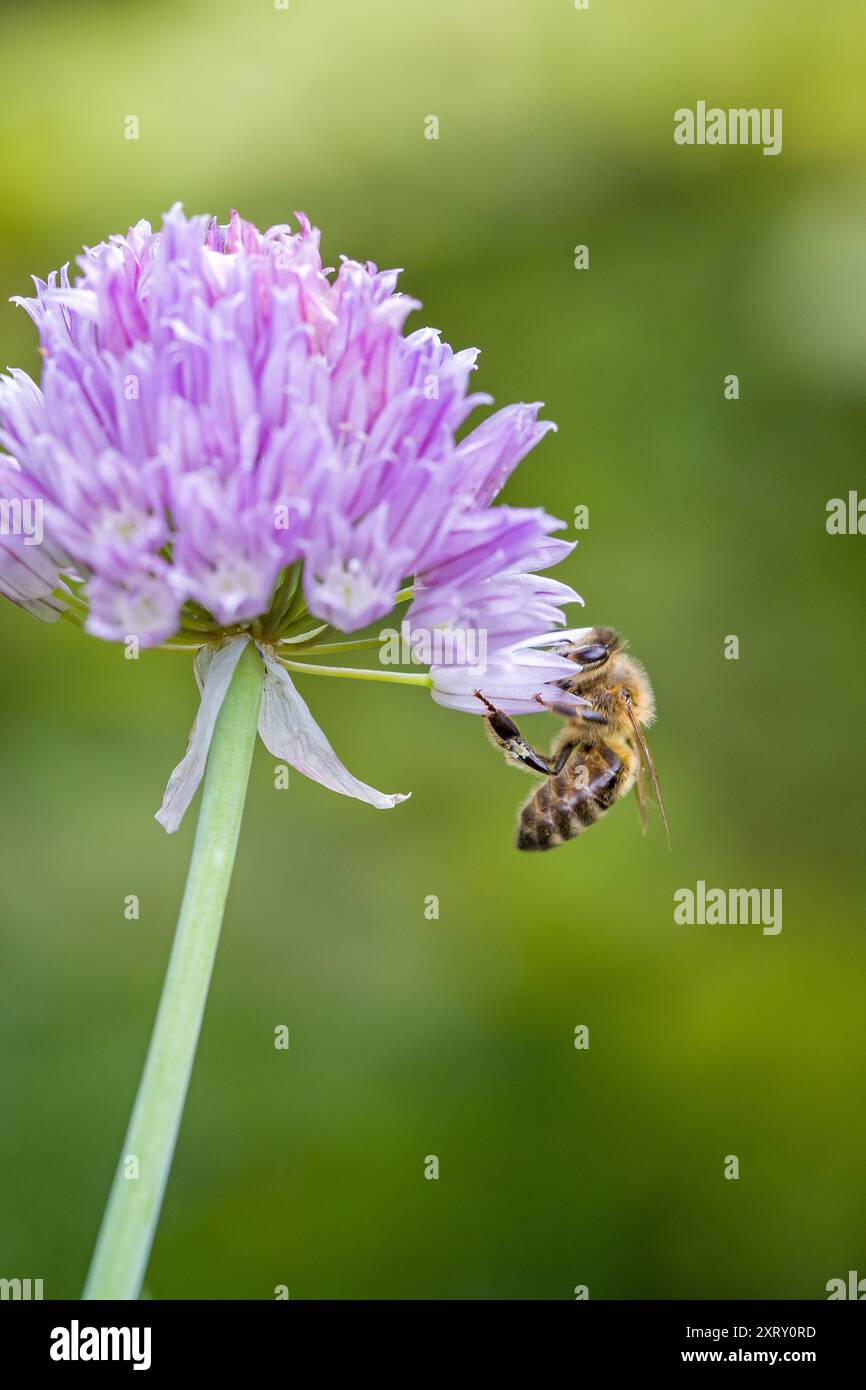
x: 289, y: 731
x: 214, y: 669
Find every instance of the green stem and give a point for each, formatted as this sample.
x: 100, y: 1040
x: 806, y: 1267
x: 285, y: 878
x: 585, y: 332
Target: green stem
x: 361, y: 644
x: 128, y: 1228
x: 176, y: 647
x: 353, y: 673
x: 291, y: 637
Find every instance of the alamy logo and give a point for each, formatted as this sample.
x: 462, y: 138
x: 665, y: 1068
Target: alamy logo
x: 719, y: 907
x: 737, y: 126
x: 76, y: 1343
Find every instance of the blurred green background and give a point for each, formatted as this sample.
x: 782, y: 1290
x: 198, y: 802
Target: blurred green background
x: 409, y: 1037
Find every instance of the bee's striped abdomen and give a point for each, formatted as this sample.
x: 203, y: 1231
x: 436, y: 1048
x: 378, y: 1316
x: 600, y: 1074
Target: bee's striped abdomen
x: 564, y: 805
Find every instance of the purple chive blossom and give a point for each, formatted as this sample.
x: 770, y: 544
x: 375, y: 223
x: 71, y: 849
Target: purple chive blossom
x: 231, y: 443
x: 512, y: 677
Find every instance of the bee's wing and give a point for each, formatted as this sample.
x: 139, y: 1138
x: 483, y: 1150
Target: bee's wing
x: 649, y: 765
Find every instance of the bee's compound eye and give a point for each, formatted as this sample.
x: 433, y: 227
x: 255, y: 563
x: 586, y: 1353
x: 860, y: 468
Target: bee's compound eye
x: 591, y: 654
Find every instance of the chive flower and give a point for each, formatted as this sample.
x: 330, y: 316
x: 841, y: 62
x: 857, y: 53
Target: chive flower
x: 237, y: 452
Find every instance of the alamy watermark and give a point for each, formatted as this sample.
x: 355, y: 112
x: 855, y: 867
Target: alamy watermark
x: 739, y: 125
x: 846, y: 516
x: 852, y: 1287
x: 22, y: 1290
x: 437, y: 646
x: 719, y: 907
x: 22, y: 516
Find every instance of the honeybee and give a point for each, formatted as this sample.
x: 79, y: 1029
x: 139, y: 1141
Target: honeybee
x: 600, y: 754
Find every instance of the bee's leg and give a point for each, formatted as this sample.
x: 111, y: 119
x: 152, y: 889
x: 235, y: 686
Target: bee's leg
x: 575, y: 710
x: 506, y: 734
x: 562, y: 756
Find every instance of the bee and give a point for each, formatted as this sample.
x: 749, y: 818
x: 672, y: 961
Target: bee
x: 601, y: 752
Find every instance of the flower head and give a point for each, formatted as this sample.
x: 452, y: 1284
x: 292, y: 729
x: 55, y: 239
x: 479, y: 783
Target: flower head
x: 231, y: 441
